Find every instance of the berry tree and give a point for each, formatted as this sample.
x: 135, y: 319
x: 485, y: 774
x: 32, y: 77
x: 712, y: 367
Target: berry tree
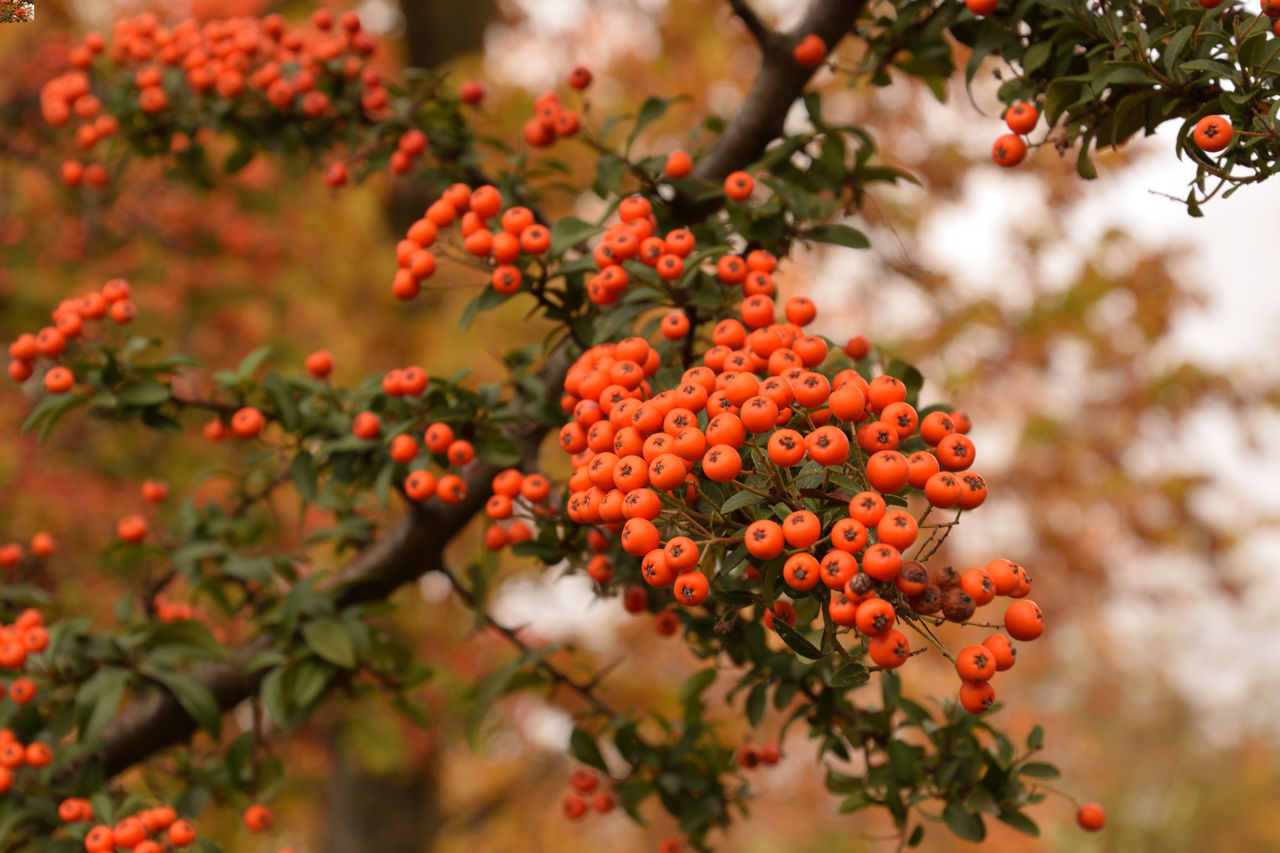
x: 776, y: 499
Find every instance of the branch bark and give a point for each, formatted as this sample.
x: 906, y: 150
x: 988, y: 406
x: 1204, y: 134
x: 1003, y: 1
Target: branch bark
x: 414, y: 546
x: 781, y: 80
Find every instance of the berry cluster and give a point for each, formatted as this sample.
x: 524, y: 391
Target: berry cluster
x: 771, y: 419
x: 1011, y: 149
x: 248, y: 70
x: 586, y: 795
x: 518, y: 499
x: 69, y: 323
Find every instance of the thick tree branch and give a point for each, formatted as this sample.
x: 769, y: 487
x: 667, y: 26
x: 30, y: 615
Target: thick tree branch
x: 764, y: 36
x: 780, y: 81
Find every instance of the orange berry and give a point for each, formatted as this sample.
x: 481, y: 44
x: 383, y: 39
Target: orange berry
x: 1091, y: 817
x: 1023, y: 620
x: 810, y: 51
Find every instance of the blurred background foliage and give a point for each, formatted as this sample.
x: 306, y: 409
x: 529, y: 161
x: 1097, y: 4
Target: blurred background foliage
x: 1131, y: 468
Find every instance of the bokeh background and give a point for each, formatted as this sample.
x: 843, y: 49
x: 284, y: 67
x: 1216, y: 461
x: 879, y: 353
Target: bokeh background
x: 1118, y: 358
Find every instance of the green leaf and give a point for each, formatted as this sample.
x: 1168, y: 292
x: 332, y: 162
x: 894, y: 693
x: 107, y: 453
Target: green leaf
x: 1059, y: 95
x: 1039, y: 770
x: 696, y: 684
x: 839, y: 235
x: 608, y: 175
x: 1036, y: 738
x: 850, y: 675
x: 193, y: 696
x: 965, y: 824
x: 584, y: 748
x: 97, y: 700
x: 145, y: 393
x: 251, y: 363
x: 330, y: 640
x: 569, y: 232
x: 305, y: 477
x: 854, y: 803
x: 1020, y: 822
x: 755, y: 704
x: 740, y: 500
x: 917, y: 835
x: 650, y: 111
x: 796, y: 641
x: 1036, y: 56
x: 486, y: 300
x: 48, y: 411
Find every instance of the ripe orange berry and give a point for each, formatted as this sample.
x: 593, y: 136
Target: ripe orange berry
x: 460, y: 452
x: 471, y: 91
x: 1091, y: 817
x: 890, y: 649
x: 1009, y: 149
x: 1022, y: 117
x: 692, y: 588
x: 43, y: 545
x: 1002, y: 651
x: 666, y: 623
x: 182, y: 833
x: 875, y: 617
x: 99, y: 840
x: 738, y: 186
x: 955, y: 452
x: 810, y: 51
x: 1214, y: 133
x: 580, y: 77
x: 404, y: 448
x: 763, y: 539
x: 678, y: 165
x: 58, y: 380
x: 247, y: 422
x: 366, y: 425
x: 131, y: 529
x: 1023, y: 620
x: 981, y: 7
x: 257, y: 818
x: 420, y: 485
x: 675, y: 325
x: 452, y: 489
x: 977, y: 696
x: 22, y: 690
x: 975, y: 663
x: 801, y: 571
x: 154, y: 491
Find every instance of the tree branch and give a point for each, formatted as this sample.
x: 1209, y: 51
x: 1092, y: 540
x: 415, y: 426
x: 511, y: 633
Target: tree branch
x: 781, y: 80
x: 764, y: 36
